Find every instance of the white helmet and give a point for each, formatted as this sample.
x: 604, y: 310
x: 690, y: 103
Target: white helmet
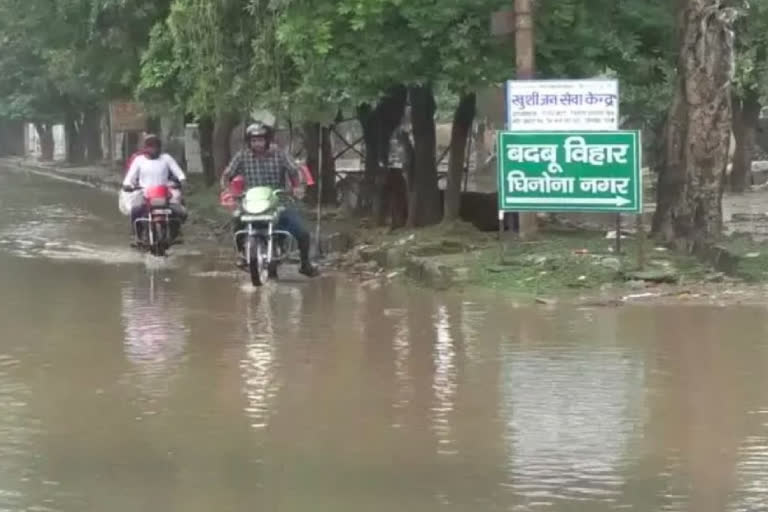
x: 259, y: 129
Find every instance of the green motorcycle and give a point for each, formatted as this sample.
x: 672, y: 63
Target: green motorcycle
x: 262, y: 247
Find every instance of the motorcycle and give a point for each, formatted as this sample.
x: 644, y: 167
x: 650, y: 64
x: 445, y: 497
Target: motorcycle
x: 261, y: 246
x: 159, y: 229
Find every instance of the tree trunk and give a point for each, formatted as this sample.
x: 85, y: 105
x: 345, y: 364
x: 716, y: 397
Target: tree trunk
x: 222, y: 134
x: 424, y: 201
x: 697, y: 138
x: 205, y: 129
x: 379, y: 124
x: 389, y: 115
x: 462, y: 126
x: 92, y: 134
x: 746, y: 116
x: 73, y: 127
x: 328, y: 170
x: 370, y: 126
x: 47, y: 144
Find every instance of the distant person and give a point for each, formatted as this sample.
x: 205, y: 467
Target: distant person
x: 154, y: 168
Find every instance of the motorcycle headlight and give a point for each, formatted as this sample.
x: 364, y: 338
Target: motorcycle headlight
x: 257, y: 205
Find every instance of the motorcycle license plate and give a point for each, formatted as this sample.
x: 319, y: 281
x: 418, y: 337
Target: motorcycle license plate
x: 162, y: 212
x: 256, y: 218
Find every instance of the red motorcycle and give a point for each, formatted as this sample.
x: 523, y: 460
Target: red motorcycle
x: 157, y: 231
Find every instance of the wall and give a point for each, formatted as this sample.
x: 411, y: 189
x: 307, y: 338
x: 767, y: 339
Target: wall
x: 33, y: 142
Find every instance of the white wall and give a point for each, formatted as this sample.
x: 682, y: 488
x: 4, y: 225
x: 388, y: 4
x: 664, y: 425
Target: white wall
x: 33, y: 142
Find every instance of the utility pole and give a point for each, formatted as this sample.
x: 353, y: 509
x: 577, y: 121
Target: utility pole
x: 525, y: 64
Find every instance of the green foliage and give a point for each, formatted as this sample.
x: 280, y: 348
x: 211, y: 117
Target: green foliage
x: 67, y: 55
x: 311, y: 57
x: 633, y: 40
x: 752, y: 50
x: 26, y: 89
x: 350, y: 51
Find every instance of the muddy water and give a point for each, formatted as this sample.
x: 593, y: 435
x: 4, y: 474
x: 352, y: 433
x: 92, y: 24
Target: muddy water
x: 126, y: 385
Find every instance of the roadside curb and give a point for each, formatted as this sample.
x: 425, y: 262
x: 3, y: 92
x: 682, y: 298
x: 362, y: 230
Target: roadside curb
x: 421, y: 269
x: 68, y: 177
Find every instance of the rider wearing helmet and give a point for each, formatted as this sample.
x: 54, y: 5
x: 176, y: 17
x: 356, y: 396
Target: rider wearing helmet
x: 263, y: 165
x: 153, y: 168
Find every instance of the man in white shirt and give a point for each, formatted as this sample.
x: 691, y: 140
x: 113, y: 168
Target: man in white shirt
x: 155, y: 168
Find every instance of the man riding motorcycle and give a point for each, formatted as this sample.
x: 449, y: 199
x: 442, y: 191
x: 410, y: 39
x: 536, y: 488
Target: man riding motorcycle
x: 154, y: 168
x: 263, y: 165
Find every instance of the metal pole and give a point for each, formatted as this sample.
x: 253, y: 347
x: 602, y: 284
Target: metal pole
x: 319, y: 187
x: 501, y: 236
x: 526, y: 70
x: 640, y: 242
x: 468, y: 158
x: 618, y: 234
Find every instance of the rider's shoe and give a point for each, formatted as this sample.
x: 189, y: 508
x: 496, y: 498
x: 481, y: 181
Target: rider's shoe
x: 309, y: 270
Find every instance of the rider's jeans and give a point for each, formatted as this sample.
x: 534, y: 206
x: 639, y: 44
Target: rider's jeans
x: 290, y: 220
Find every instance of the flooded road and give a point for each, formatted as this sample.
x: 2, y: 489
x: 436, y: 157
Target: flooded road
x: 129, y: 386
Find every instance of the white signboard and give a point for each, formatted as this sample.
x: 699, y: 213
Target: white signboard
x: 563, y: 105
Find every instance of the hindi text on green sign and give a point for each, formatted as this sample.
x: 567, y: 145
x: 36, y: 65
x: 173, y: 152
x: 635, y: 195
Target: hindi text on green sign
x: 555, y: 171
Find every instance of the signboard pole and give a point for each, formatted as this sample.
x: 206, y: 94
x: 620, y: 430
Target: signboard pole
x: 526, y: 69
x: 618, y: 234
x: 501, y: 236
x: 640, y: 242
x: 319, y: 186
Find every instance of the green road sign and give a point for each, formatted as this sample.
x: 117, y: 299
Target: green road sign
x: 580, y: 171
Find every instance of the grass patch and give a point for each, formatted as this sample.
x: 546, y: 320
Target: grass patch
x: 557, y: 262
x: 752, y: 257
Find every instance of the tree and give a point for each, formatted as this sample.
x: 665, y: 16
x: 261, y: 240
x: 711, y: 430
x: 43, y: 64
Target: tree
x: 366, y: 53
x: 63, y: 60
x: 697, y: 136
x: 750, y: 88
x: 27, y: 91
x: 460, y: 132
x: 379, y: 124
x: 216, y: 61
x: 93, y: 56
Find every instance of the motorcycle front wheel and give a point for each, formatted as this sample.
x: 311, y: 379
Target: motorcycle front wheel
x: 258, y: 263
x: 160, y: 246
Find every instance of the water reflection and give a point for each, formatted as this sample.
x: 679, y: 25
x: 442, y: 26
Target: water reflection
x: 155, y: 334
x: 23, y: 484
x: 752, y: 472
x: 260, y: 384
x: 15, y: 435
x: 401, y: 348
x: 572, y: 412
x: 444, y: 382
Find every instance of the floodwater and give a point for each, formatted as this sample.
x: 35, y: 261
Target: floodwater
x: 127, y: 385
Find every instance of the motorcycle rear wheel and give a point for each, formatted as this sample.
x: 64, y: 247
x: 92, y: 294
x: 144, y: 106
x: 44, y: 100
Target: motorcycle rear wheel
x: 160, y: 246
